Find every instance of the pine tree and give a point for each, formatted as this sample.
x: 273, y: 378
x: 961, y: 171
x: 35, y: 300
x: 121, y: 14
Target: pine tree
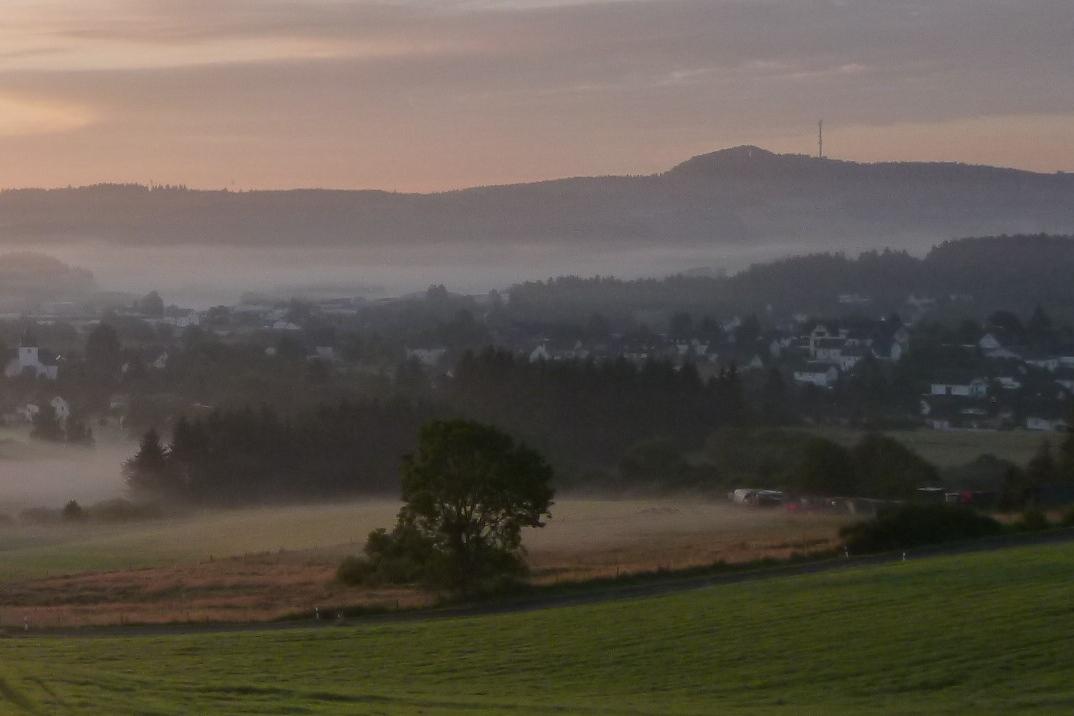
x: 147, y: 472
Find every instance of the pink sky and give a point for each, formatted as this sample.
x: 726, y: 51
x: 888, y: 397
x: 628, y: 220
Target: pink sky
x: 418, y: 95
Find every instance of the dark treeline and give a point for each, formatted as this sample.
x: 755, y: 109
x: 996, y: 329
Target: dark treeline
x: 586, y: 414
x: 981, y: 275
x: 583, y: 415
x: 239, y: 457
x: 609, y: 426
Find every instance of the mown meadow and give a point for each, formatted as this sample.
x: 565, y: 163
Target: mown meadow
x: 981, y: 633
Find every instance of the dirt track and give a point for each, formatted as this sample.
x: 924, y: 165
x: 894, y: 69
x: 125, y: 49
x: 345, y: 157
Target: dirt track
x: 577, y: 595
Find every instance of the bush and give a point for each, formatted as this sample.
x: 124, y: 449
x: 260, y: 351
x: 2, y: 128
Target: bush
x: 1032, y: 521
x: 1068, y: 518
x: 355, y: 570
x: 402, y: 556
x: 120, y: 510
x: 73, y: 512
x: 916, y: 525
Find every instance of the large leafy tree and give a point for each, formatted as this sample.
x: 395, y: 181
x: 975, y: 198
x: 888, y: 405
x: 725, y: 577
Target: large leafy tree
x: 469, y: 490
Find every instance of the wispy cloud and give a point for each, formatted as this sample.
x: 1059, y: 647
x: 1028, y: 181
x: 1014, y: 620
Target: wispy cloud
x: 434, y: 93
x: 21, y: 116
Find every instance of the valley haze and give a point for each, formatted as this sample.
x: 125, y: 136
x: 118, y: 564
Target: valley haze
x: 725, y: 209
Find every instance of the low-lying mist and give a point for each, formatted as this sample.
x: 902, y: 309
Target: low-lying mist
x: 202, y: 276
x: 40, y: 474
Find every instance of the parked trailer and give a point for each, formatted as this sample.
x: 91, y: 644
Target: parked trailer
x: 755, y: 497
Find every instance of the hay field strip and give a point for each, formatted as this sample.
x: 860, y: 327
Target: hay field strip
x: 593, y: 535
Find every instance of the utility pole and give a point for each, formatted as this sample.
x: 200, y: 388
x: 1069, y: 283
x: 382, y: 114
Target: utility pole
x: 820, y: 139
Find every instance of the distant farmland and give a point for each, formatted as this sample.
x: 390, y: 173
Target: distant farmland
x: 984, y: 633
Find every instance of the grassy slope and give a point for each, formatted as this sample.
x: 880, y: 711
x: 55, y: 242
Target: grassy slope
x: 952, y: 448
x: 986, y: 633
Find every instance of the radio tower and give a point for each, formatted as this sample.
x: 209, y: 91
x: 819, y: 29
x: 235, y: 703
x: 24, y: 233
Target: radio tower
x: 820, y: 139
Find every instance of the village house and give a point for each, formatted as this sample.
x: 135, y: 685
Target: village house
x: 428, y: 357
x: 30, y: 359
x: 822, y: 376
x: 974, y: 388
x: 544, y: 352
x: 1053, y: 425
x: 1044, y: 361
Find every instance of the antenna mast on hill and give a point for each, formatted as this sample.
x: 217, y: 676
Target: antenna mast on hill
x: 820, y: 139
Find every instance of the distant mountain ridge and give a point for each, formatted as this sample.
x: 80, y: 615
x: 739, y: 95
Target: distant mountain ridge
x: 737, y: 196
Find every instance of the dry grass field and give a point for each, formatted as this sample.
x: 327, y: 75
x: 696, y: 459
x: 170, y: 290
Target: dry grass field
x: 266, y: 563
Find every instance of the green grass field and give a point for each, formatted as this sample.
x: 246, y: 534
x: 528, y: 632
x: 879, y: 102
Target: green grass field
x: 956, y: 447
x: 984, y: 633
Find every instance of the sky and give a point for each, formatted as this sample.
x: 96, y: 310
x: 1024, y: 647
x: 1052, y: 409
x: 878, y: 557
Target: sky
x: 426, y: 95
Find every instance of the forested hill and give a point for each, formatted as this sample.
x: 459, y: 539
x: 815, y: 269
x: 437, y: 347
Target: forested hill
x: 743, y: 195
x: 969, y: 276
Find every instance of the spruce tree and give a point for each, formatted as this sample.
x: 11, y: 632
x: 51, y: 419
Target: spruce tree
x: 147, y: 472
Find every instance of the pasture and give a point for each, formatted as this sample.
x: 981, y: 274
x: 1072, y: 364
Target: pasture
x: 985, y: 633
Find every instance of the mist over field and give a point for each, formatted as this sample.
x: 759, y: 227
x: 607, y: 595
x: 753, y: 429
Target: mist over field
x: 36, y: 474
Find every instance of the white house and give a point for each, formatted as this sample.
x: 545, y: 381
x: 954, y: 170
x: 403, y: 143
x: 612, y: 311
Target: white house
x: 285, y: 326
x: 429, y: 357
x: 1048, y: 363
x: 29, y: 359
x: 182, y: 321
x: 989, y: 342
x: 1003, y: 354
x: 755, y: 363
x: 325, y: 353
x: 61, y: 408
x: 850, y: 358
x: 1046, y: 424
x: 828, y: 349
x: 819, y: 333
x: 976, y: 388
x: 540, y: 353
x: 820, y: 376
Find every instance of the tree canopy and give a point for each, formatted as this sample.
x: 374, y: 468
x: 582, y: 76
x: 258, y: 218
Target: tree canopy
x: 469, y: 490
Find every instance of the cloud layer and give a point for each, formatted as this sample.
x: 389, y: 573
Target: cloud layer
x: 430, y: 94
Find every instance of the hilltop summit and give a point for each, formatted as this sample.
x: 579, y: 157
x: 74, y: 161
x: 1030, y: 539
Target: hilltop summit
x: 735, y: 195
